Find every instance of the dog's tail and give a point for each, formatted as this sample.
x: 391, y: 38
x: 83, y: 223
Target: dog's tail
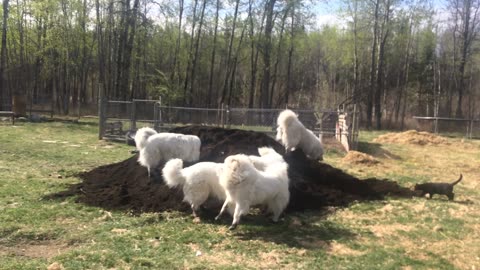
x: 142, y: 135
x: 285, y: 118
x: 456, y: 182
x: 172, y: 173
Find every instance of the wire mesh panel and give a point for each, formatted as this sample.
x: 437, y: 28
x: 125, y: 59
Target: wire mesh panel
x: 444, y: 125
x: 117, y: 119
x: 173, y: 116
x: 42, y: 104
x: 265, y: 120
x: 6, y: 104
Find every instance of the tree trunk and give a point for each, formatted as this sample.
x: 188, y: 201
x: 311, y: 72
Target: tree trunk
x: 235, y: 60
x: 253, y: 56
x: 212, y: 61
x: 195, y: 57
x: 277, y: 61
x: 127, y: 59
x: 381, y: 60
x: 177, y: 47
x: 190, y: 54
x: 373, y: 70
x: 5, y: 102
x: 267, y: 47
x: 229, y: 54
x: 290, y: 56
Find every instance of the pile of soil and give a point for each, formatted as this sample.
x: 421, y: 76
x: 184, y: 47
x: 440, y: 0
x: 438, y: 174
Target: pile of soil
x: 359, y: 158
x: 126, y: 185
x: 412, y: 137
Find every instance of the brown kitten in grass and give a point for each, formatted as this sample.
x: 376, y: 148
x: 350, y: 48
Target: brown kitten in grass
x: 438, y: 188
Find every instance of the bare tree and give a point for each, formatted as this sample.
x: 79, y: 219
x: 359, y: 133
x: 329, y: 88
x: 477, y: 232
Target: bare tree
x: 212, y: 59
x: 3, y: 56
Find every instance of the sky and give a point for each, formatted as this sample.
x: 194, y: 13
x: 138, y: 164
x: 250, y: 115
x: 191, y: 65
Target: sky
x: 327, y: 12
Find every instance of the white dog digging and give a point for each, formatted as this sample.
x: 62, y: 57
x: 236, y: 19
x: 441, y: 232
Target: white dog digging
x: 199, y: 181
x: 292, y: 134
x: 246, y: 186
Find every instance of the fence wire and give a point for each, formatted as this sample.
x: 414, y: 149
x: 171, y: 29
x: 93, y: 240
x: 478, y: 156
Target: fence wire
x: 119, y: 117
x: 444, y: 125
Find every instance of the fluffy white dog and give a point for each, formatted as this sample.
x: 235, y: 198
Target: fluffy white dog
x: 246, y: 186
x: 199, y: 181
x: 142, y: 136
x: 268, y: 156
x: 165, y: 146
x: 292, y: 134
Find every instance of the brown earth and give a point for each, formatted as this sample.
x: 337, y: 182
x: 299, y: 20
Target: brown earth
x: 412, y: 137
x: 125, y: 185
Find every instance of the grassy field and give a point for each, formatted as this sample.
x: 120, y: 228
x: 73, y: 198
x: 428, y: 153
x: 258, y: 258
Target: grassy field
x: 40, y: 159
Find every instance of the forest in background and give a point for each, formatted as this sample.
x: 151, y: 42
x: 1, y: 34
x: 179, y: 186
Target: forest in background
x: 394, y: 58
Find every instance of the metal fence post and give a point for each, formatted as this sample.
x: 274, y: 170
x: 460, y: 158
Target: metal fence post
x: 155, y: 115
x: 101, y: 112
x: 227, y: 117
x: 222, y: 123
x: 133, y: 115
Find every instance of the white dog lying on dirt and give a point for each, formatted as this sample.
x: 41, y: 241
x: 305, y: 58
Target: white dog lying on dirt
x: 268, y: 156
x: 164, y: 146
x: 246, y: 186
x: 199, y: 181
x: 292, y: 134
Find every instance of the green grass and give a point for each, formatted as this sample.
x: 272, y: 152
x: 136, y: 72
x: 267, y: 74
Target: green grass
x: 40, y: 159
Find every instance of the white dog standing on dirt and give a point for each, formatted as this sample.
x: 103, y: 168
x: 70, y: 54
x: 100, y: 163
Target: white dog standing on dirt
x: 164, y: 146
x: 246, y: 186
x: 199, y: 181
x: 292, y: 134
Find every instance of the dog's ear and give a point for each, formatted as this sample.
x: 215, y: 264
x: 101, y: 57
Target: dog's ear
x: 234, y: 164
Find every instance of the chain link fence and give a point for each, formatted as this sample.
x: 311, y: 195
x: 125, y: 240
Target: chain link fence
x: 117, y: 118
x: 445, y: 125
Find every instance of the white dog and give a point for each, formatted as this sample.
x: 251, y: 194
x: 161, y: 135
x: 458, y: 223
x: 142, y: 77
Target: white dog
x: 199, y: 181
x: 142, y: 136
x: 246, y: 186
x: 268, y: 156
x: 165, y: 146
x: 292, y: 134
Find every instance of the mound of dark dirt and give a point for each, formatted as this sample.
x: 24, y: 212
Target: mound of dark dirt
x: 125, y: 185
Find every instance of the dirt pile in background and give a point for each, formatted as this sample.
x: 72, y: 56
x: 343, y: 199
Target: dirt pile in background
x: 412, y: 137
x: 359, y: 158
x: 125, y: 185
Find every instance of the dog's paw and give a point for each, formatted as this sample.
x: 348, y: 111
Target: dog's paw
x: 233, y: 227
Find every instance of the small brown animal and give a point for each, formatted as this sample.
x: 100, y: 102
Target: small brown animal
x: 438, y: 188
